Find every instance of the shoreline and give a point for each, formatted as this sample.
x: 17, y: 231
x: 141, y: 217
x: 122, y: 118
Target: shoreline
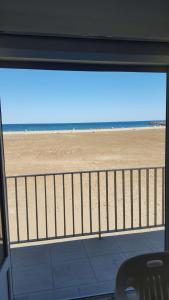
x: 74, y: 131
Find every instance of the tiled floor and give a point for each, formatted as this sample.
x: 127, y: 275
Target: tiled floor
x: 69, y: 270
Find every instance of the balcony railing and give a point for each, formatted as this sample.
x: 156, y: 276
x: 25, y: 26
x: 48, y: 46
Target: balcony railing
x: 63, y: 205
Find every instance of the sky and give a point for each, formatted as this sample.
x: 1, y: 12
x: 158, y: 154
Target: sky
x: 39, y: 96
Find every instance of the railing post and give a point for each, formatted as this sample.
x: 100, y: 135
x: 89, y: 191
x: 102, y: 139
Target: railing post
x: 99, y: 212
x: 90, y: 203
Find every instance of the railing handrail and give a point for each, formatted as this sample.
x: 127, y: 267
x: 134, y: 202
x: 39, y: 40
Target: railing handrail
x: 83, y: 172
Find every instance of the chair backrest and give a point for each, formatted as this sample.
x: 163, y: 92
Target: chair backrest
x: 147, y: 274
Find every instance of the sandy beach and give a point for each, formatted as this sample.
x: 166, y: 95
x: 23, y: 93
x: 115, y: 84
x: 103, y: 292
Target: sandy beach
x: 44, y: 152
x: 39, y: 153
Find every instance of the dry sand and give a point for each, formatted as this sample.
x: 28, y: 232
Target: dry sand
x: 28, y: 153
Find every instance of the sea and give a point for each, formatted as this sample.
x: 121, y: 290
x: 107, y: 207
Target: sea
x: 76, y: 126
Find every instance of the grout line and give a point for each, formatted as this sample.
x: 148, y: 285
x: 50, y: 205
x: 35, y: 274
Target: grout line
x: 89, y: 260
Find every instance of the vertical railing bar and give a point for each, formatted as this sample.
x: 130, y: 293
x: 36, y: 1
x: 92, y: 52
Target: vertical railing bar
x: 163, y: 196
x: 90, y: 203
x: 81, y: 196
x: 99, y: 211
x: 139, y: 195
x: 115, y: 199
x: 17, y: 214
x: 147, y: 195
x: 55, y: 208
x: 155, y: 197
x: 64, y: 205
x: 123, y: 195
x: 27, y: 210
x: 73, y: 206
x: 107, y: 202
x: 46, y: 206
x: 36, y: 204
x: 131, y: 196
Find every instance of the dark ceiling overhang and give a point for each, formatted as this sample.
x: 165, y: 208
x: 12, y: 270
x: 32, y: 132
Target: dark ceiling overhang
x: 79, y: 53
x: 146, y: 20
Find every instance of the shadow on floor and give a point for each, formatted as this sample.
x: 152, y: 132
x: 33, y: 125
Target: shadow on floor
x: 74, y: 269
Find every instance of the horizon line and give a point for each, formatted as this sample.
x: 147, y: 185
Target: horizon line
x: 88, y: 122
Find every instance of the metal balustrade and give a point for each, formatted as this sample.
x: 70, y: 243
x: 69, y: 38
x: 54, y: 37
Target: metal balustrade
x: 63, y: 205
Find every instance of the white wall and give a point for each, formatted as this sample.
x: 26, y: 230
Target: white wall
x: 140, y: 19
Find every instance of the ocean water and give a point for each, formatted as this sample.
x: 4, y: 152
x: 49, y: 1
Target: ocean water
x: 74, y: 126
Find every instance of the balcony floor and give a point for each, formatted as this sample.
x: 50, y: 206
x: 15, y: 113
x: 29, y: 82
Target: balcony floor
x: 79, y: 268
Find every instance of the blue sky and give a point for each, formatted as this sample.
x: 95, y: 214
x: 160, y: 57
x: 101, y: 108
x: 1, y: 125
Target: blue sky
x: 33, y: 96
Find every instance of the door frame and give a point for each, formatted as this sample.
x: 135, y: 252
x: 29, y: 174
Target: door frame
x: 5, y: 267
x: 167, y: 166
x: 77, y: 54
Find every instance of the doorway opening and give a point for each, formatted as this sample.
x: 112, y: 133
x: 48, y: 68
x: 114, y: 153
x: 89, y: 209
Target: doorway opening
x: 85, y: 170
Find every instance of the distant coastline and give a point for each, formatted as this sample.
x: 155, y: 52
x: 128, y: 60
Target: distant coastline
x: 62, y: 132
x: 75, y: 127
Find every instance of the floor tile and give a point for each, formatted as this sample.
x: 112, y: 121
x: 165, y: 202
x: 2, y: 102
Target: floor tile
x: 106, y: 267
x: 30, y: 256
x: 67, y: 251
x: 67, y: 270
x: 96, y: 289
x: 59, y: 294
x: 73, y: 273
x: 157, y: 235
x: 158, y: 249
x: 132, y: 242
x: 32, y: 279
x: 131, y: 254
x: 22, y: 297
x: 156, y: 239
x: 101, y: 246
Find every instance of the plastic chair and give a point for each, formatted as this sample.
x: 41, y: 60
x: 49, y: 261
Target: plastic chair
x: 147, y: 274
